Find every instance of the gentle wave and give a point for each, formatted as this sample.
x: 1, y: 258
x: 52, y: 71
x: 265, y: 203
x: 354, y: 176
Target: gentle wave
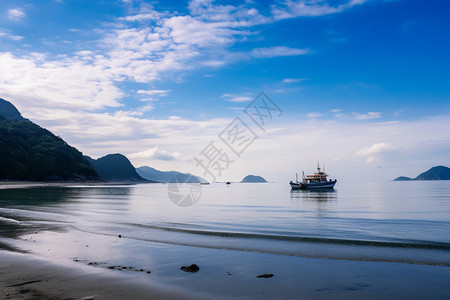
x: 9, y: 220
x: 309, y: 239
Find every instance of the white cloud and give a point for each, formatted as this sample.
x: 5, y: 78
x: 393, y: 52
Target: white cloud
x: 232, y: 16
x: 277, y: 51
x: 293, y: 80
x: 152, y: 95
x: 369, y: 116
x: 146, y: 46
x: 237, y: 98
x: 154, y: 154
x: 16, y: 14
x: 149, y: 16
x: 66, y: 83
x: 373, y: 153
x: 311, y: 8
x: 6, y: 35
x: 314, y: 115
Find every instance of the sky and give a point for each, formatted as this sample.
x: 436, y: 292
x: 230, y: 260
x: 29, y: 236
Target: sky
x: 223, y: 89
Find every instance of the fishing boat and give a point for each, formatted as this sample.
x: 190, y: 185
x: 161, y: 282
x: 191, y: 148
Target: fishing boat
x: 317, y: 181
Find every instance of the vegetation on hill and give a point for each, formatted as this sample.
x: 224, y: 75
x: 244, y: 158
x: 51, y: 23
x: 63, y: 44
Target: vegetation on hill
x: 115, y: 167
x: 435, y: 173
x: 9, y: 111
x: 167, y: 176
x: 30, y: 152
x: 253, y: 178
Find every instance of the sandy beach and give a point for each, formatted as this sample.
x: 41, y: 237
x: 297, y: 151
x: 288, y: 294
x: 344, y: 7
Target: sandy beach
x: 24, y: 276
x: 27, y: 276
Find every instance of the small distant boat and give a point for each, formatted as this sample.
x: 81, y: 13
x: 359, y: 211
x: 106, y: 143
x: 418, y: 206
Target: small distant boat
x: 204, y: 183
x: 228, y: 182
x: 317, y: 181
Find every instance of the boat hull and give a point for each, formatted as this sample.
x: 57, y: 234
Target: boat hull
x: 315, y: 185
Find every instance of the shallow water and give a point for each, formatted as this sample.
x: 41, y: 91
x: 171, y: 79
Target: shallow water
x: 390, y: 221
x: 254, y: 226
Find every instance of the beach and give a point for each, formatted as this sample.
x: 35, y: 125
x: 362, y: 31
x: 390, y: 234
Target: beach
x: 25, y: 276
x: 29, y: 277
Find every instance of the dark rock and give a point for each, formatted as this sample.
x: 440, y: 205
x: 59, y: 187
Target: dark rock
x: 267, y: 275
x: 120, y: 235
x: 192, y: 268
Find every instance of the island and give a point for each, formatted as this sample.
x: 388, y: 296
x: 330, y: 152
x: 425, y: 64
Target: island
x: 435, y: 173
x: 150, y: 173
x: 253, y: 178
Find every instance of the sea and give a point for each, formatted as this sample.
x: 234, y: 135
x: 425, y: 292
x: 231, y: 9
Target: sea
x: 238, y: 229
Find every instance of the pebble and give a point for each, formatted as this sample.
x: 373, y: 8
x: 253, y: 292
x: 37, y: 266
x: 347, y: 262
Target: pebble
x: 267, y: 275
x: 192, y: 268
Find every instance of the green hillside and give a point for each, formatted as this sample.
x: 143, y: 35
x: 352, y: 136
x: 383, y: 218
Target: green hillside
x: 30, y: 152
x: 115, y: 167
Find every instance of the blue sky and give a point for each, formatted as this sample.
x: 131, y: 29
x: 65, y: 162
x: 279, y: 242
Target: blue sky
x: 363, y: 84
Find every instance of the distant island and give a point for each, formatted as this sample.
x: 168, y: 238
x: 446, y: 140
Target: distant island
x: 435, y: 173
x: 150, y: 173
x: 253, y: 178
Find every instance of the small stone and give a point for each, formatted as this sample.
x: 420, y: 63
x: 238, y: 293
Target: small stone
x: 192, y: 268
x: 267, y: 275
x: 120, y: 235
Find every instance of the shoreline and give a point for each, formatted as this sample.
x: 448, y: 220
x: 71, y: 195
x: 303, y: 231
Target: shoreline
x: 31, y: 184
x: 224, y: 274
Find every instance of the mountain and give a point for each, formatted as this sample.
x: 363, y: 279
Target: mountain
x: 253, y: 178
x: 167, y: 176
x: 115, y: 167
x: 30, y: 152
x: 435, y: 173
x: 9, y: 111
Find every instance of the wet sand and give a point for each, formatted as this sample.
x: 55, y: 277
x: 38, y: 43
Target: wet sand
x: 222, y: 275
x: 24, y: 276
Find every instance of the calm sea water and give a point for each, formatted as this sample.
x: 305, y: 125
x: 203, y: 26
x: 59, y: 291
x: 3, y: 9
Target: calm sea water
x: 390, y: 221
